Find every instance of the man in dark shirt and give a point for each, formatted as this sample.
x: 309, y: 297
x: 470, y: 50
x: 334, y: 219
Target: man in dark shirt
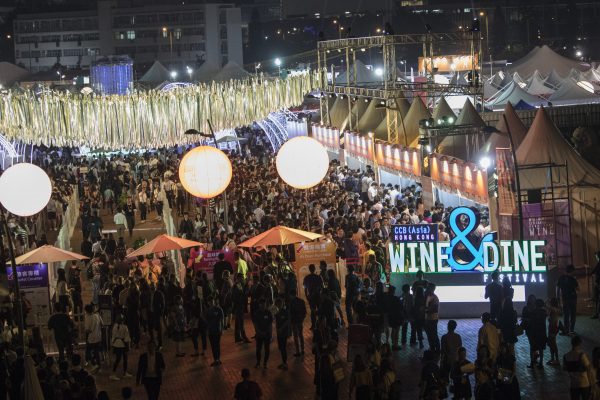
x: 313, y: 286
x: 493, y: 291
x: 263, y: 322
x: 352, y: 290
x: 86, y: 248
x: 218, y: 269
x: 239, y: 299
x: 283, y: 325
x: 214, y: 325
x: 63, y: 328
x: 566, y: 290
x: 421, y: 281
x: 247, y: 389
x: 298, y: 313
x: 186, y: 227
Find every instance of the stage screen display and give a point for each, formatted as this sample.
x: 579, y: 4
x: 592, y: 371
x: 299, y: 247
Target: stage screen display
x: 461, y: 267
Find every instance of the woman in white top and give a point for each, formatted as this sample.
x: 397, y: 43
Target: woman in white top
x: 120, y: 344
x: 62, y: 290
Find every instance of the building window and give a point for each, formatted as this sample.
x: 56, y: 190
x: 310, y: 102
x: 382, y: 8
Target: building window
x: 178, y: 33
x: 120, y: 35
x: 224, y: 32
x: 224, y: 47
x: 131, y: 35
x: 165, y: 32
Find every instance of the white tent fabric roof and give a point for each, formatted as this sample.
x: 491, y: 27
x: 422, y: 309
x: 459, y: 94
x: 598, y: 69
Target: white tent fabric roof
x: 156, y: 73
x: 456, y: 103
x: 591, y: 75
x: 442, y: 109
x: 537, y: 87
x: 371, y: 118
x: 501, y: 138
x: 519, y: 80
x: 554, y: 80
x: 206, y: 72
x: 11, y: 73
x: 545, y: 144
x: 513, y: 93
x: 231, y: 70
x: 571, y: 93
x: 363, y: 74
x: 544, y: 60
x: 408, y: 130
x: 574, y: 74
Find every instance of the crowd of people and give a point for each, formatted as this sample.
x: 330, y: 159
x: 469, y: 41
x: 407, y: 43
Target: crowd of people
x: 140, y: 304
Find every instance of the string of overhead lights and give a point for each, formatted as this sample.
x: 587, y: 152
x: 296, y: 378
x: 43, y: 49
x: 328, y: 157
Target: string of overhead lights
x: 148, y: 119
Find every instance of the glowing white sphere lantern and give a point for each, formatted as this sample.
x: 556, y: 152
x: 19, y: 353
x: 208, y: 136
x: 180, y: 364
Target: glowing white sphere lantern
x: 25, y: 189
x: 205, y: 172
x: 302, y: 162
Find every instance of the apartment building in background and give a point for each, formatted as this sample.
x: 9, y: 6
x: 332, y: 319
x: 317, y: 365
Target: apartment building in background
x: 176, y: 35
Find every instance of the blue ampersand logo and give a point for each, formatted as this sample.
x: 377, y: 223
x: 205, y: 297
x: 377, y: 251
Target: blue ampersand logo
x: 457, y: 259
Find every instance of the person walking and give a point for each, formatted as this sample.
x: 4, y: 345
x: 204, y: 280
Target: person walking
x: 352, y: 284
x: 63, y: 328
x: 579, y: 368
x: 493, y: 291
x: 180, y: 324
x: 150, y: 369
x: 93, y: 330
x: 527, y: 322
x: 129, y: 211
x: 120, y: 344
x: 313, y: 286
x: 297, y: 316
x: 566, y: 291
x: 196, y: 322
x: 450, y: 344
x: 215, y: 320
x: 247, y: 389
x: 239, y: 300
x: 432, y: 305
x: 284, y: 330
x: 395, y: 316
x: 488, y: 337
x: 264, y: 332
x: 120, y: 221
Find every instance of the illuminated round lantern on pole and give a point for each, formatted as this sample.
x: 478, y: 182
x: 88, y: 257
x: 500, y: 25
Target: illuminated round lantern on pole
x: 205, y: 172
x: 302, y: 162
x: 25, y: 189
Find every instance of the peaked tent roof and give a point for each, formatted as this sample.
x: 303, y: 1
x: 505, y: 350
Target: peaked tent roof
x: 574, y: 74
x: 206, y: 72
x: 381, y: 130
x: 571, y: 93
x: 591, y: 76
x: 408, y: 129
x: 363, y: 74
x: 544, y: 144
x: 554, y: 80
x: 11, y: 73
x: 231, y: 70
x: 371, y: 118
x: 544, y: 60
x: 501, y: 138
x: 459, y: 79
x: 156, y: 73
x: 520, y: 81
x: 358, y: 109
x: 514, y: 94
x: 536, y: 85
x: 442, y: 109
x: 338, y: 112
x: 457, y: 146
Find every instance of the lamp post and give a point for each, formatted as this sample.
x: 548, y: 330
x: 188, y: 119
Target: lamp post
x: 23, y: 201
x: 189, y: 72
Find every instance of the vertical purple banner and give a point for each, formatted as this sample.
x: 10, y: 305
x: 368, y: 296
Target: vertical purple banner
x: 30, y: 275
x: 541, y: 222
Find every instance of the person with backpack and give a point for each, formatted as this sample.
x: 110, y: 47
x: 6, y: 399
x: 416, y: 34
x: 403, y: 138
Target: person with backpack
x: 577, y: 364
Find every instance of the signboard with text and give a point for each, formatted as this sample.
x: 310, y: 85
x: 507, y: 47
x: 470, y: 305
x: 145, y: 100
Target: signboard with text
x: 312, y: 253
x: 461, y: 267
x: 30, y: 275
x: 415, y: 233
x: 210, y: 257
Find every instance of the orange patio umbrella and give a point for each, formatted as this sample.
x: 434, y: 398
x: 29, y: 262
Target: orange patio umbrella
x: 163, y: 243
x: 280, y: 235
x: 48, y: 254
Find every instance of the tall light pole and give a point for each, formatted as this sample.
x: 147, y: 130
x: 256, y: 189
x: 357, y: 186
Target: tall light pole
x: 487, y: 38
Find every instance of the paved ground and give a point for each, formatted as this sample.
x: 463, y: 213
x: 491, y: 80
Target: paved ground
x: 193, y: 378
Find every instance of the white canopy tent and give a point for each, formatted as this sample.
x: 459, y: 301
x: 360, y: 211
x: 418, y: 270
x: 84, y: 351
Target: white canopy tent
x: 571, y: 92
x: 554, y: 80
x: 512, y: 93
x: 231, y: 70
x: 157, y: 73
x: 545, y: 60
x: 363, y: 74
x: 442, y: 109
x: 11, y: 73
x: 537, y: 85
x: 206, y: 72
